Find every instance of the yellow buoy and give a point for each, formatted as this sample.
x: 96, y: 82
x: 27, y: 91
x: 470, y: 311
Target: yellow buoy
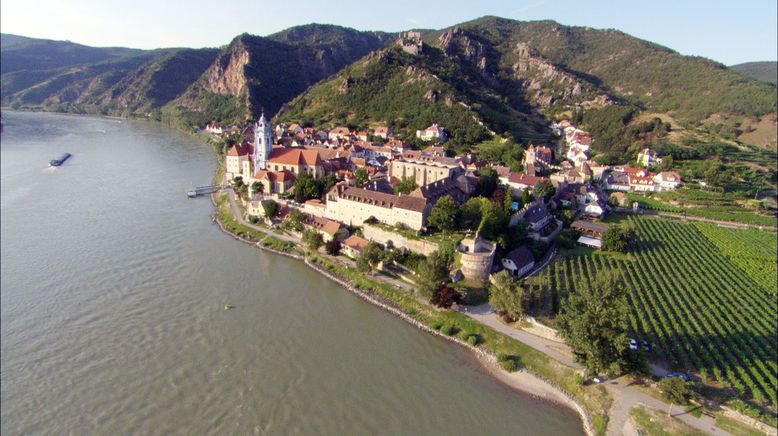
x: 228, y: 307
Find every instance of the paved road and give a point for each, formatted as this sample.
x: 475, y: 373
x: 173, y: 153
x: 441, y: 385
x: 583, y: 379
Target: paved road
x: 624, y: 396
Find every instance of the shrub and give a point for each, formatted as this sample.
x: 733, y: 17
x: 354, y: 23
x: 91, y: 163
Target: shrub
x: 448, y: 330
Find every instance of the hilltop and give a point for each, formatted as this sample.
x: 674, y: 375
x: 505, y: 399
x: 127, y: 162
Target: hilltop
x: 766, y: 71
x: 479, y: 78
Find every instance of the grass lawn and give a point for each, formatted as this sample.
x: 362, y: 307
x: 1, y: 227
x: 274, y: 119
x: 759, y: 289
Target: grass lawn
x: 656, y: 423
x: 735, y: 427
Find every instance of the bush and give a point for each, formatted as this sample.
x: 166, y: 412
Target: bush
x: 473, y: 339
x: 578, y: 379
x: 436, y: 325
x: 448, y: 330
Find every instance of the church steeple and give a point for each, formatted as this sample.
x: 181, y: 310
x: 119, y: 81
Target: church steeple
x: 263, y: 143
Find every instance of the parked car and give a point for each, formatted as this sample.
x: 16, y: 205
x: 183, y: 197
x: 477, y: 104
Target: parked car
x: 633, y: 344
x: 682, y: 375
x: 599, y: 379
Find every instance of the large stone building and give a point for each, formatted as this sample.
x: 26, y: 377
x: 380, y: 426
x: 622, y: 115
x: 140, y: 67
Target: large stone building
x: 354, y: 206
x: 425, y: 169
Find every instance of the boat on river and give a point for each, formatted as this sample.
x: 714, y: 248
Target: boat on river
x: 60, y: 160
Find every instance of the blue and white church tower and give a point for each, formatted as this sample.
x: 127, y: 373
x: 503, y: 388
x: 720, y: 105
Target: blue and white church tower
x: 263, y: 143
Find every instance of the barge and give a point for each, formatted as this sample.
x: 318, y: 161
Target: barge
x: 60, y: 160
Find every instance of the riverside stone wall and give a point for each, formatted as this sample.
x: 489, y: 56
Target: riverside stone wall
x: 382, y: 236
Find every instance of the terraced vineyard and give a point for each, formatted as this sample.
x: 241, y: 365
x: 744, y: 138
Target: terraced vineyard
x: 753, y: 251
x: 704, y: 313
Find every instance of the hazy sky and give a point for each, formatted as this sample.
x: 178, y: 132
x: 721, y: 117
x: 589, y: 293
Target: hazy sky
x: 730, y: 32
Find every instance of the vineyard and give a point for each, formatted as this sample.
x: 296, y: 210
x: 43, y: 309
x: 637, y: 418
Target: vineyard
x: 702, y: 312
x: 753, y: 251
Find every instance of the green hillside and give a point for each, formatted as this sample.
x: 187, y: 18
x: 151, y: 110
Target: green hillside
x: 262, y: 73
x: 30, y: 54
x: 765, y: 71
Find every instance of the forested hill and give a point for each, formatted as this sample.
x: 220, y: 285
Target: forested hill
x: 193, y: 85
x: 483, y: 77
x: 515, y: 76
x: 766, y: 71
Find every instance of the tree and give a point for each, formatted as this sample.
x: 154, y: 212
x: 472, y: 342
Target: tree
x: 494, y: 221
x: 237, y: 182
x: 470, y: 213
x: 361, y: 177
x: 508, y: 200
x: 306, y: 188
x: 445, y: 297
x: 617, y: 238
x: 406, y: 186
x: 544, y: 188
x: 431, y: 273
x: 593, y: 321
x: 257, y: 187
x: 507, y: 299
x: 526, y: 197
x: 332, y: 247
x: 444, y: 214
x: 369, y: 257
x: 271, y: 208
x: 675, y: 390
x: 294, y: 221
x: 312, y: 239
x: 486, y: 183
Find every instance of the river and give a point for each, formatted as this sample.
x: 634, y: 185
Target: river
x: 113, y: 289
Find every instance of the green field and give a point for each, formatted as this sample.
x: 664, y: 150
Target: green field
x: 703, y: 312
x: 703, y: 204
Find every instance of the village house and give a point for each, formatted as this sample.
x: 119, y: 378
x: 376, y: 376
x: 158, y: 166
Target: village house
x: 648, y: 157
x: 235, y: 157
x: 353, y: 245
x: 383, y: 132
x: 519, y: 261
x: 338, y: 133
x: 431, y: 133
x: 540, y: 155
x: 274, y: 182
x: 519, y: 182
x: 328, y: 229
x: 667, y: 180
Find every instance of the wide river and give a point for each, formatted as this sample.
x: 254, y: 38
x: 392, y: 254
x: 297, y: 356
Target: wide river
x: 113, y: 289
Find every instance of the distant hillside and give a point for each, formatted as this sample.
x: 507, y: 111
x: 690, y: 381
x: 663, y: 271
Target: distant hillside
x: 22, y: 53
x: 765, y: 71
x: 262, y: 73
x: 515, y: 76
x: 483, y: 77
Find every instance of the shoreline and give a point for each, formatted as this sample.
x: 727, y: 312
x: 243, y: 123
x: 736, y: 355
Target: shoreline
x: 521, y: 381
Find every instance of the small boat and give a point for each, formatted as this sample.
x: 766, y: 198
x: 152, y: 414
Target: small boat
x: 228, y: 307
x: 60, y: 160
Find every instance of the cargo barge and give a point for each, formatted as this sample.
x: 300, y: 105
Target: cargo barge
x: 60, y: 160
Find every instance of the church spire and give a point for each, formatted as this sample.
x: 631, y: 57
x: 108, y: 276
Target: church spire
x: 263, y: 143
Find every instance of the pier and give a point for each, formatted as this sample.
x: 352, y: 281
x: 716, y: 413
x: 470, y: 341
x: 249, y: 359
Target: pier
x: 202, y: 190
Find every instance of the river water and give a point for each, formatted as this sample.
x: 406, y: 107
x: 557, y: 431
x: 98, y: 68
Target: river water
x: 113, y: 287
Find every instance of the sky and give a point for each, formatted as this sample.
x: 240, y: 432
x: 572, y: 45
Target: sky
x: 730, y: 32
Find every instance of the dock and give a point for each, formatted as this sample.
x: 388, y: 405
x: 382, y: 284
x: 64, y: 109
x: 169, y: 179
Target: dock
x: 202, y: 190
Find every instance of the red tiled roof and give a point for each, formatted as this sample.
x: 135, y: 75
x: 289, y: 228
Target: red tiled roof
x: 295, y: 156
x: 355, y: 242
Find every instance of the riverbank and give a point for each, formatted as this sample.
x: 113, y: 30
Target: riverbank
x: 540, y: 376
